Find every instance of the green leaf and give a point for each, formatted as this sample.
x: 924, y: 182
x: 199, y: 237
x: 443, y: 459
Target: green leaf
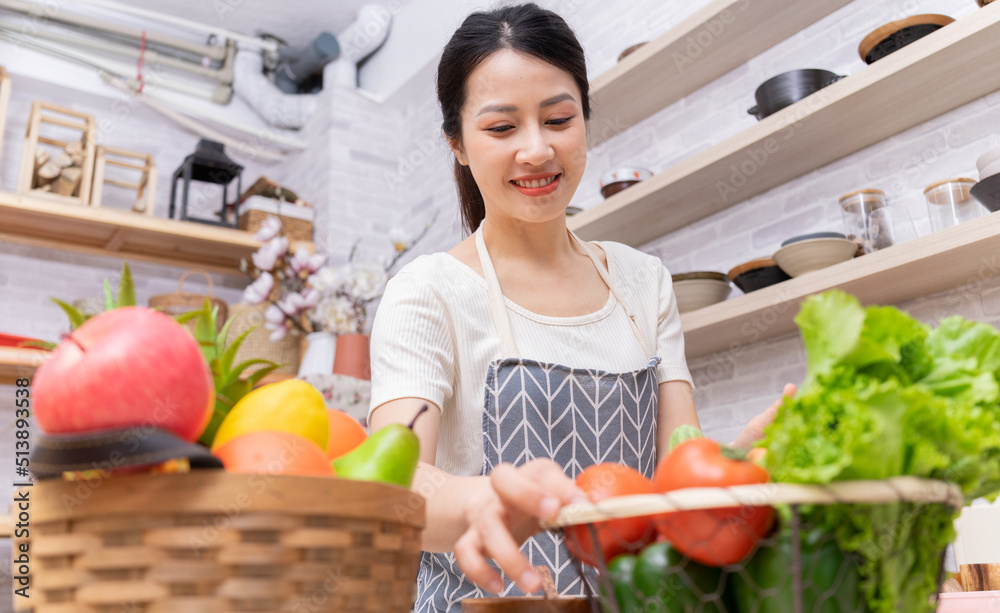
x: 226, y: 399
x: 183, y: 318
x: 239, y: 368
x: 256, y: 377
x: 109, y: 299
x: 683, y: 433
x: 224, y: 333
x: 230, y: 353
x: 76, y: 316
x: 38, y: 345
x: 831, y: 326
x: 126, y: 289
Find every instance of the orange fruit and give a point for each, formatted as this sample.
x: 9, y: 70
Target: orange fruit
x: 273, y: 452
x: 346, y: 433
x: 599, y: 482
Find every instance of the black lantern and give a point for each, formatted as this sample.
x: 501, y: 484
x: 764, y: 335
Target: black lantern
x: 209, y: 164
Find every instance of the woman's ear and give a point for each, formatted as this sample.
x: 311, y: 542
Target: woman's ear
x: 456, y: 148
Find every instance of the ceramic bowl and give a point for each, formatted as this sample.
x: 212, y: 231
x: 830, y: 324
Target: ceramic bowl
x: 615, y: 181
x: 695, y: 290
x: 895, y: 35
x: 988, y: 159
x: 806, y: 237
x: 806, y: 256
x: 627, y: 52
x: 990, y: 170
x: 968, y: 602
x: 757, y: 274
x: 987, y: 192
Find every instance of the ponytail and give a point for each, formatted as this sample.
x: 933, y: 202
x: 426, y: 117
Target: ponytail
x: 470, y: 198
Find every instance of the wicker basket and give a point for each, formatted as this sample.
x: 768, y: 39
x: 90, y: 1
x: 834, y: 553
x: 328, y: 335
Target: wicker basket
x: 210, y: 541
x: 296, y: 221
x: 181, y: 302
x: 258, y: 344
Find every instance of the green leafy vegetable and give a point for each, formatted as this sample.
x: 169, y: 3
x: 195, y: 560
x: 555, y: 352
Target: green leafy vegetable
x: 230, y: 387
x: 886, y: 395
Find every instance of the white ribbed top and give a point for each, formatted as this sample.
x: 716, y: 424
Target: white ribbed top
x: 433, y: 338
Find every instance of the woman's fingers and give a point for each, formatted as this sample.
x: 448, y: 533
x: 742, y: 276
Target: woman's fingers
x: 470, y: 555
x: 539, y: 488
x: 490, y: 538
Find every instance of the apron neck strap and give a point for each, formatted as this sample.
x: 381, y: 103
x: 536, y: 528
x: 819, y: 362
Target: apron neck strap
x: 498, y: 308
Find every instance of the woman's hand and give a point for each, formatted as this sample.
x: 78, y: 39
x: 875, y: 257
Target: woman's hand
x: 503, y: 517
x: 754, y: 430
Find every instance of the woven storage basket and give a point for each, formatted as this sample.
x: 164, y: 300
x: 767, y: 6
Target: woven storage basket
x: 210, y: 541
x: 181, y: 302
x: 258, y: 344
x: 296, y: 221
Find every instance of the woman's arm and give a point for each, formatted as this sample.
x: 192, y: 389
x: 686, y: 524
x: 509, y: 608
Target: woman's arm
x: 446, y: 494
x: 676, y: 407
x: 481, y: 517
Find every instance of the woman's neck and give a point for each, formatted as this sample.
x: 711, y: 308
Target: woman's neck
x: 542, y: 245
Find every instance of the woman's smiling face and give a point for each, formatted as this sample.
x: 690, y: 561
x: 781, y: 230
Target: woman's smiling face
x: 523, y: 136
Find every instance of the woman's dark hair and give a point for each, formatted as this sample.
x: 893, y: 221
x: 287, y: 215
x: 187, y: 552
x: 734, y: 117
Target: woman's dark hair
x: 526, y: 28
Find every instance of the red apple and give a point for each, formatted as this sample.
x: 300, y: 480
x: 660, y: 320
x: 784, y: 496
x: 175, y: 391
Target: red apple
x: 129, y: 367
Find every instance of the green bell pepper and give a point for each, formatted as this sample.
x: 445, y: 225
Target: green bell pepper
x: 830, y: 581
x: 670, y: 583
x: 620, y: 570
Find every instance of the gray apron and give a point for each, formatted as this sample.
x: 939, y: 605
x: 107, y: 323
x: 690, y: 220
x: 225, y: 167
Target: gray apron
x: 574, y: 416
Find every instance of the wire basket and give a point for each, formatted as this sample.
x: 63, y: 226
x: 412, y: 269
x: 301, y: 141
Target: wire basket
x: 794, y: 568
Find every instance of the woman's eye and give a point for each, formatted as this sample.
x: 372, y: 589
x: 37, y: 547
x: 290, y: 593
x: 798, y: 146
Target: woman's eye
x: 499, y: 129
x: 559, y: 122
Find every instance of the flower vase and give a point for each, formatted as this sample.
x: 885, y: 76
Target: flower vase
x: 318, y: 356
x: 352, y: 358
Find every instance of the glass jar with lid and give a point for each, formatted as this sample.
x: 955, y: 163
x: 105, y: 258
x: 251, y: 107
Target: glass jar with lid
x: 856, y: 208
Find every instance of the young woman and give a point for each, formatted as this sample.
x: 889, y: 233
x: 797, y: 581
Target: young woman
x: 539, y: 354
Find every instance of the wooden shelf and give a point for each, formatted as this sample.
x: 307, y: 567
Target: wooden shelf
x: 702, y: 48
x: 122, y: 234
x: 16, y: 363
x: 957, y: 256
x: 951, y: 67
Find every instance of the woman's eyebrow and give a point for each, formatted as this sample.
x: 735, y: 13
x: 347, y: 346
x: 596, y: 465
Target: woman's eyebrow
x: 510, y: 108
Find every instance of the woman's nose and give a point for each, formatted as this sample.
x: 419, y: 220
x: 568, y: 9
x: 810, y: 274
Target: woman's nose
x: 533, y: 149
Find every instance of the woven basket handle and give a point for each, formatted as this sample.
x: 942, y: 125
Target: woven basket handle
x: 894, y: 489
x: 196, y: 271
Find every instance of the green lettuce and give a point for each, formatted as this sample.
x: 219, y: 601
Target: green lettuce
x: 886, y: 395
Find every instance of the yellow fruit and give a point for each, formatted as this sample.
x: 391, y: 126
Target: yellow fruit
x: 289, y: 406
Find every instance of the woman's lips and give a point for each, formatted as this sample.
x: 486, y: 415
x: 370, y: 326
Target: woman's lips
x: 543, y: 190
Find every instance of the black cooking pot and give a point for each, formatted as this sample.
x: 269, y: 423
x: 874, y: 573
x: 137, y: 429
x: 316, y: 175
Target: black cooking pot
x: 789, y: 87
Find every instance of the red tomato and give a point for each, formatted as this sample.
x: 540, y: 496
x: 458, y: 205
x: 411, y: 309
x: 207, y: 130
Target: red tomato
x: 715, y: 537
x: 273, y: 453
x: 602, y: 481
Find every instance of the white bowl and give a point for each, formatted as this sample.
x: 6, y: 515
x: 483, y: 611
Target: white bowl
x: 989, y: 171
x: 806, y: 256
x: 988, y: 158
x: 693, y: 294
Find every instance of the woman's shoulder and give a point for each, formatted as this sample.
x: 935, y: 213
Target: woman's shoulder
x: 434, y: 269
x: 630, y: 260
